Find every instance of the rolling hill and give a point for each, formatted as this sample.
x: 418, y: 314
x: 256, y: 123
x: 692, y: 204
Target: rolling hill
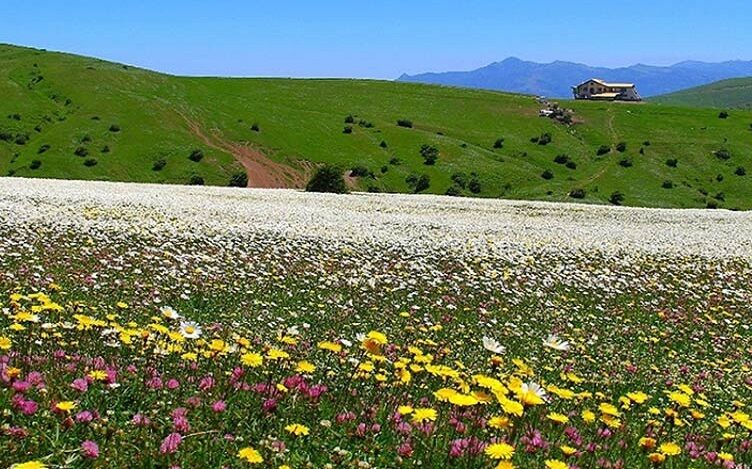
x: 66, y: 116
x: 733, y: 93
x: 557, y: 78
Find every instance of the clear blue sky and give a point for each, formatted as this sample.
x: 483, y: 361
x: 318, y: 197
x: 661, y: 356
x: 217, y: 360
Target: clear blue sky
x: 379, y: 38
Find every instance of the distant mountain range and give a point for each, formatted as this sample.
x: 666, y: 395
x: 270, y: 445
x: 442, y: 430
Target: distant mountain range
x: 556, y: 79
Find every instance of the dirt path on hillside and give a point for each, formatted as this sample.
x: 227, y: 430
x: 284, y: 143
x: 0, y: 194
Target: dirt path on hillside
x: 261, y: 170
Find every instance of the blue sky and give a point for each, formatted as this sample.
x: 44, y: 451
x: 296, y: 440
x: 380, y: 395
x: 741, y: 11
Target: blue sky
x: 379, y: 39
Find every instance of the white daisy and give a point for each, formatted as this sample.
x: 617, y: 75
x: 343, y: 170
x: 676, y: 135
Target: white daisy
x: 169, y: 312
x: 190, y: 330
x: 492, y: 345
x: 553, y: 341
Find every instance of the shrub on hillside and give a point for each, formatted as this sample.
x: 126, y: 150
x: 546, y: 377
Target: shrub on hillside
x: 394, y: 161
x: 43, y: 149
x: 544, y: 139
x: 35, y: 164
x: 383, y: 144
x: 719, y: 178
x: 474, y: 184
x: 159, y: 164
x: 454, y: 191
x: 621, y: 147
x: 255, y: 127
x: 672, y: 162
x: 196, y: 155
x: 547, y: 175
x: 6, y: 136
x: 499, y: 143
x: 418, y: 183
x: 646, y: 143
x: 81, y: 151
x: 90, y: 162
x: 360, y: 171
x: 723, y: 154
x: 350, y: 119
x: 571, y: 164
x: 347, y: 130
x: 667, y: 184
x: 21, y: 139
x: 626, y: 162
x: 365, y: 124
x: 723, y: 115
x: 239, y: 179
x: 460, y: 179
x: 106, y: 149
x: 196, y: 180
x: 712, y: 204
x: 561, y: 159
x: 616, y: 198
x: 740, y: 171
x: 114, y: 128
x: 577, y: 193
x: 602, y: 150
x: 405, y: 123
x: 328, y: 178
x: 429, y: 153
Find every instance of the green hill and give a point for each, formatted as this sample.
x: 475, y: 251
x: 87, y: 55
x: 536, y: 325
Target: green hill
x: 83, y: 118
x: 734, y: 93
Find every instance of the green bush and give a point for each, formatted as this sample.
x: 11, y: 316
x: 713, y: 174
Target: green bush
x: 196, y: 155
x: 561, y: 159
x: 474, y: 184
x: 255, y: 127
x: 405, y: 123
x: 81, y: 151
x: 577, y: 193
x: 723, y: 115
x: 350, y: 119
x: 418, y: 183
x: 499, y: 143
x: 429, y: 153
x: 114, y: 128
x: 616, y: 198
x: 347, y: 130
x: 603, y: 150
x: 360, y: 171
x: 90, y: 162
x: 547, y: 175
x: 35, y: 164
x: 328, y: 178
x: 626, y: 162
x: 571, y: 164
x: 723, y: 154
x: 667, y: 184
x: 621, y: 147
x: 394, y: 161
x: 460, y: 179
x: 740, y: 171
x: 106, y: 149
x: 454, y: 191
x: 383, y: 144
x: 672, y: 162
x: 196, y: 180
x: 159, y: 164
x: 43, y: 149
x: 239, y: 179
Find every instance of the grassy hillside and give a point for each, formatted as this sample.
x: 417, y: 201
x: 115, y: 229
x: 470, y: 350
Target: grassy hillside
x: 71, y: 104
x: 734, y: 93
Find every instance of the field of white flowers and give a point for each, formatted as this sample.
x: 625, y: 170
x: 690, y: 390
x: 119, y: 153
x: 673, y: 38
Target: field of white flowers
x: 166, y: 326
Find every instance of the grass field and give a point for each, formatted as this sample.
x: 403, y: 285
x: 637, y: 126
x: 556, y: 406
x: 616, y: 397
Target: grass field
x: 70, y: 103
x: 150, y: 326
x: 726, y: 94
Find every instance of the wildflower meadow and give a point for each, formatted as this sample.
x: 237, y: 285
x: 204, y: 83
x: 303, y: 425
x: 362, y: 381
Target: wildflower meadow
x: 183, y: 327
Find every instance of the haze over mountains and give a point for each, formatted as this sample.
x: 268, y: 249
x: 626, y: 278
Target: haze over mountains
x: 555, y: 79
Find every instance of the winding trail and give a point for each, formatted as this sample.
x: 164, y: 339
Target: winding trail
x: 262, y: 172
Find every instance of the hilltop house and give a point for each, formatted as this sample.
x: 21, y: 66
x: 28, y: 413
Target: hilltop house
x: 600, y: 90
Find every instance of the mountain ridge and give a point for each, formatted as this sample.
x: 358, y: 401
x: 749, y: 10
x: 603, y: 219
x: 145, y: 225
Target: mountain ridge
x: 556, y: 78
